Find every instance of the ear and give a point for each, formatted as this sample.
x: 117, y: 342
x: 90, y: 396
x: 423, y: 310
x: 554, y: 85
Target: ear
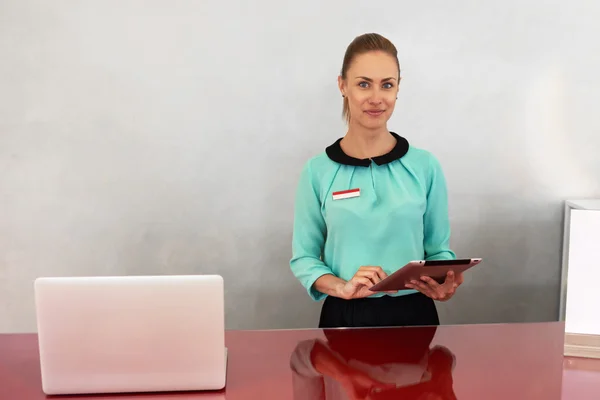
x: 342, y: 85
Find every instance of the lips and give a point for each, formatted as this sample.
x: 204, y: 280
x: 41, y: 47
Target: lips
x: 374, y: 113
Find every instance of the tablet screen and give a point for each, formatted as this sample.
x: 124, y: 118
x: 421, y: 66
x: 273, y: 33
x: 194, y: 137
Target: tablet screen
x: 460, y: 261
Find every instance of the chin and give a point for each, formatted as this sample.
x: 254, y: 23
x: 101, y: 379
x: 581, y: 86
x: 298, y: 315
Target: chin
x: 374, y: 124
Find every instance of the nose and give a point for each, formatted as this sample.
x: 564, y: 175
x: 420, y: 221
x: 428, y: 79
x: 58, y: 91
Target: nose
x: 376, y: 97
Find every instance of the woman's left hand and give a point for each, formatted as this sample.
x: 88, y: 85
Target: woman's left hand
x: 437, y: 291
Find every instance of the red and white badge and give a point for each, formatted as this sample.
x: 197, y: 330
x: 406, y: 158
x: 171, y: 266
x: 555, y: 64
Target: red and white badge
x: 346, y: 194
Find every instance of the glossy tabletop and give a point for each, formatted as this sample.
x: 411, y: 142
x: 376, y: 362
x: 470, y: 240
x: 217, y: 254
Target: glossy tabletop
x: 492, y: 361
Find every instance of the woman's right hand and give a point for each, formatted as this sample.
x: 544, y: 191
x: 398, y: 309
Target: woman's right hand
x: 358, y: 287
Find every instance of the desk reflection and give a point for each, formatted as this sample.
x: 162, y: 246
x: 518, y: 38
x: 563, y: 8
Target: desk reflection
x: 494, y: 362
x: 373, y: 363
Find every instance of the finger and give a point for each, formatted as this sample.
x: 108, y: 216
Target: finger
x: 435, y: 287
x: 431, y: 282
x: 445, y: 297
x: 417, y: 288
x: 446, y: 290
x: 450, y: 278
x: 426, y: 292
x: 449, y: 293
x: 371, y: 274
x: 381, y: 386
x: 451, y: 284
x: 367, y: 275
x: 423, y: 288
x: 378, y: 270
x: 459, y: 279
x: 361, y: 280
x: 426, y: 283
x: 381, y: 272
x: 439, y: 291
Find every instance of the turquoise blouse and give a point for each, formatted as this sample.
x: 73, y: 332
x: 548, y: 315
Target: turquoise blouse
x: 384, y: 211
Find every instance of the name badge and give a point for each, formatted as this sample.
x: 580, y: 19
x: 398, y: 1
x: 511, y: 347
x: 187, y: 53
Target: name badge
x: 346, y: 194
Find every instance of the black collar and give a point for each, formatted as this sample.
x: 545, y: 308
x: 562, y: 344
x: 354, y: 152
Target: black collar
x: 335, y: 153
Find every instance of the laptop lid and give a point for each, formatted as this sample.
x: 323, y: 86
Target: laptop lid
x: 123, y: 334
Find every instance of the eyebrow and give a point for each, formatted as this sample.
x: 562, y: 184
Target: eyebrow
x: 371, y: 80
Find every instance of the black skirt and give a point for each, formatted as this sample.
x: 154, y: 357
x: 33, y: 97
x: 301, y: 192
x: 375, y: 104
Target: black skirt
x: 387, y: 311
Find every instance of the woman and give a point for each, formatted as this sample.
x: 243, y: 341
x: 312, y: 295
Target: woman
x: 369, y: 204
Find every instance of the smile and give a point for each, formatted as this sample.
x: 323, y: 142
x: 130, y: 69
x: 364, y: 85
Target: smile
x: 374, y: 113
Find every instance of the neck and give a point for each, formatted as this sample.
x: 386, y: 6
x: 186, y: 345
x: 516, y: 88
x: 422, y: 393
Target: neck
x: 365, y: 143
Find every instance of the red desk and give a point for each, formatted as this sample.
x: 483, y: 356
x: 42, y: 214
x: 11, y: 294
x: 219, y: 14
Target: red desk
x: 504, y: 361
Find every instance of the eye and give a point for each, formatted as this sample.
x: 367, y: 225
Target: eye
x: 388, y: 85
x: 363, y: 84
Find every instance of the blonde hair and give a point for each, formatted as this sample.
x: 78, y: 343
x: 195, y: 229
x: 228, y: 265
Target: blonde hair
x: 364, y: 44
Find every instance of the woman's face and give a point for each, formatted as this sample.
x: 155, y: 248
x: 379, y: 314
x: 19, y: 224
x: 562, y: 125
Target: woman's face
x: 371, y: 87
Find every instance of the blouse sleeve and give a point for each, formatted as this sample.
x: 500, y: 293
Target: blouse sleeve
x: 436, y: 221
x: 309, y: 234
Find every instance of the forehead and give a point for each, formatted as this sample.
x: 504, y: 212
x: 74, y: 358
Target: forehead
x: 375, y: 65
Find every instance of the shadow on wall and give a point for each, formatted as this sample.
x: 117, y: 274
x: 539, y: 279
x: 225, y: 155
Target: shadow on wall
x: 287, y: 308
x: 519, y: 303
x: 519, y: 279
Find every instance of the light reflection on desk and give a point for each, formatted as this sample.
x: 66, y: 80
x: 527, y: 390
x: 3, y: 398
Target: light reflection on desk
x: 466, y: 362
x: 373, y: 364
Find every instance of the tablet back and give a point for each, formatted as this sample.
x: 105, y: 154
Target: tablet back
x: 435, y: 269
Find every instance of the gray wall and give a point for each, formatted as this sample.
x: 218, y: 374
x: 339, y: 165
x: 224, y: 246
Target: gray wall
x: 154, y: 137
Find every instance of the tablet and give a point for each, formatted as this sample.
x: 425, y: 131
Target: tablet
x: 414, y: 270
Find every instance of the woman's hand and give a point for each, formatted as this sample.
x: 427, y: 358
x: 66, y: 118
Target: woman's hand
x: 361, y: 386
x: 363, y: 279
x: 357, y: 383
x: 437, y: 291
